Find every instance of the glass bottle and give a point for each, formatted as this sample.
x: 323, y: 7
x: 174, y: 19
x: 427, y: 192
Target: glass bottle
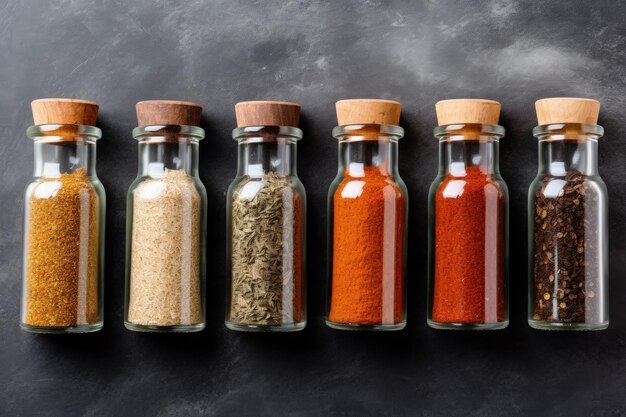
x: 368, y: 214
x: 266, y: 230
x: 64, y: 221
x: 166, y: 222
x: 568, y: 228
x: 468, y: 220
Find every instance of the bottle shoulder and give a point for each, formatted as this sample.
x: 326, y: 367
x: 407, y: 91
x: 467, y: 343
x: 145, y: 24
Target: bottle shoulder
x: 248, y: 187
x: 458, y: 186
x: 378, y: 186
x: 171, y: 184
x: 556, y: 186
x: 67, y: 185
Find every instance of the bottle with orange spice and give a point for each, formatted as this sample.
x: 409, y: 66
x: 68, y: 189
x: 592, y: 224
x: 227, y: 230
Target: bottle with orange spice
x: 64, y: 221
x: 367, y: 206
x: 468, y: 217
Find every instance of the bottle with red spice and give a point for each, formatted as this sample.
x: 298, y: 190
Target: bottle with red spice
x: 468, y: 219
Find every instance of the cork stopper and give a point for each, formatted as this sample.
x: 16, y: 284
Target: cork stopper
x: 64, y: 111
x: 267, y: 113
x: 368, y: 111
x: 468, y: 110
x: 168, y: 112
x: 567, y: 110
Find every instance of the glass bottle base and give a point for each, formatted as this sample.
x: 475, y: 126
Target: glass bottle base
x: 82, y: 328
x: 181, y: 328
x: 247, y: 327
x: 366, y: 327
x: 555, y: 325
x: 468, y: 326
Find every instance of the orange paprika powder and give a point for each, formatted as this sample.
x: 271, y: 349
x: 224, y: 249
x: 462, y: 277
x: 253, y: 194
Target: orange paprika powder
x: 469, y: 249
x: 368, y: 246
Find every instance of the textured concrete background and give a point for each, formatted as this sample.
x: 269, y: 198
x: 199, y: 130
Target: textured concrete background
x: 221, y: 52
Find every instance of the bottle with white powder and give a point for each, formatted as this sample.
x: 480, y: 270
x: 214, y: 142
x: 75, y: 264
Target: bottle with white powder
x: 166, y: 222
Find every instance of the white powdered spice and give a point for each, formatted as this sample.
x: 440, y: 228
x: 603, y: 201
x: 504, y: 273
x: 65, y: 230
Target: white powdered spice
x: 165, y: 287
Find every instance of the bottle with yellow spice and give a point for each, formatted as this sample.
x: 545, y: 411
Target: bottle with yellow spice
x: 64, y: 221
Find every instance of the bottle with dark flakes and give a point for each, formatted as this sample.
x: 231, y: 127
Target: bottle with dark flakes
x: 568, y: 230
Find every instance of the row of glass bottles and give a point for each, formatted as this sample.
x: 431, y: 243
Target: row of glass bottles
x: 368, y: 211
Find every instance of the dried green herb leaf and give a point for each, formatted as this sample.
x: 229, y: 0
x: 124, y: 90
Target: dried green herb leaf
x: 266, y: 252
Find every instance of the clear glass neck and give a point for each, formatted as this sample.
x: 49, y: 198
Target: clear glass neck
x: 568, y: 147
x: 172, y: 147
x: 468, y: 145
x: 367, y: 146
x: 264, y: 149
x: 63, y: 149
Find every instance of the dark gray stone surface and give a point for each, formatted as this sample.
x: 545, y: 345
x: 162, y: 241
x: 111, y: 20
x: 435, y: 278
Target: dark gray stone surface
x: 221, y: 52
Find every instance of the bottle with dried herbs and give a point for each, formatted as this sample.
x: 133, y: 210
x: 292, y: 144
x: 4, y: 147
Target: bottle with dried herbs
x: 166, y: 222
x: 266, y: 212
x: 64, y: 221
x: 468, y: 209
x: 367, y: 212
x: 568, y: 227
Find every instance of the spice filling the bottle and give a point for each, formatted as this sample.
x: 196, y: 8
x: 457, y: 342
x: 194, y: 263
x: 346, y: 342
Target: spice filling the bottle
x: 468, y: 210
x: 367, y: 206
x: 568, y: 226
x: 166, y: 222
x: 64, y: 221
x: 266, y: 230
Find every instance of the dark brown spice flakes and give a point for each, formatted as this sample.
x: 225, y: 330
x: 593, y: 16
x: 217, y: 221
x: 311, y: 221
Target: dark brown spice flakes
x: 566, y: 258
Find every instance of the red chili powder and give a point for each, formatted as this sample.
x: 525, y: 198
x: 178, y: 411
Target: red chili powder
x: 469, y: 249
x: 368, y: 240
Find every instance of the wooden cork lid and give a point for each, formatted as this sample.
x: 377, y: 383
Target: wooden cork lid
x: 368, y: 111
x: 64, y: 111
x: 467, y: 110
x: 567, y: 110
x: 267, y: 113
x: 168, y: 112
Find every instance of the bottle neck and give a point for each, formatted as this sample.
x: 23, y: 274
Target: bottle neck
x: 355, y: 157
x: 559, y: 157
x: 368, y: 146
x: 458, y: 155
x: 156, y: 157
x: 469, y: 145
x: 63, y: 149
x: 264, y: 149
x: 568, y: 147
x: 258, y: 158
x: 171, y: 147
x: 52, y: 159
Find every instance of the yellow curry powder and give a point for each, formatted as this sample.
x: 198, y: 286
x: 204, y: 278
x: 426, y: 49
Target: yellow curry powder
x: 61, y: 275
